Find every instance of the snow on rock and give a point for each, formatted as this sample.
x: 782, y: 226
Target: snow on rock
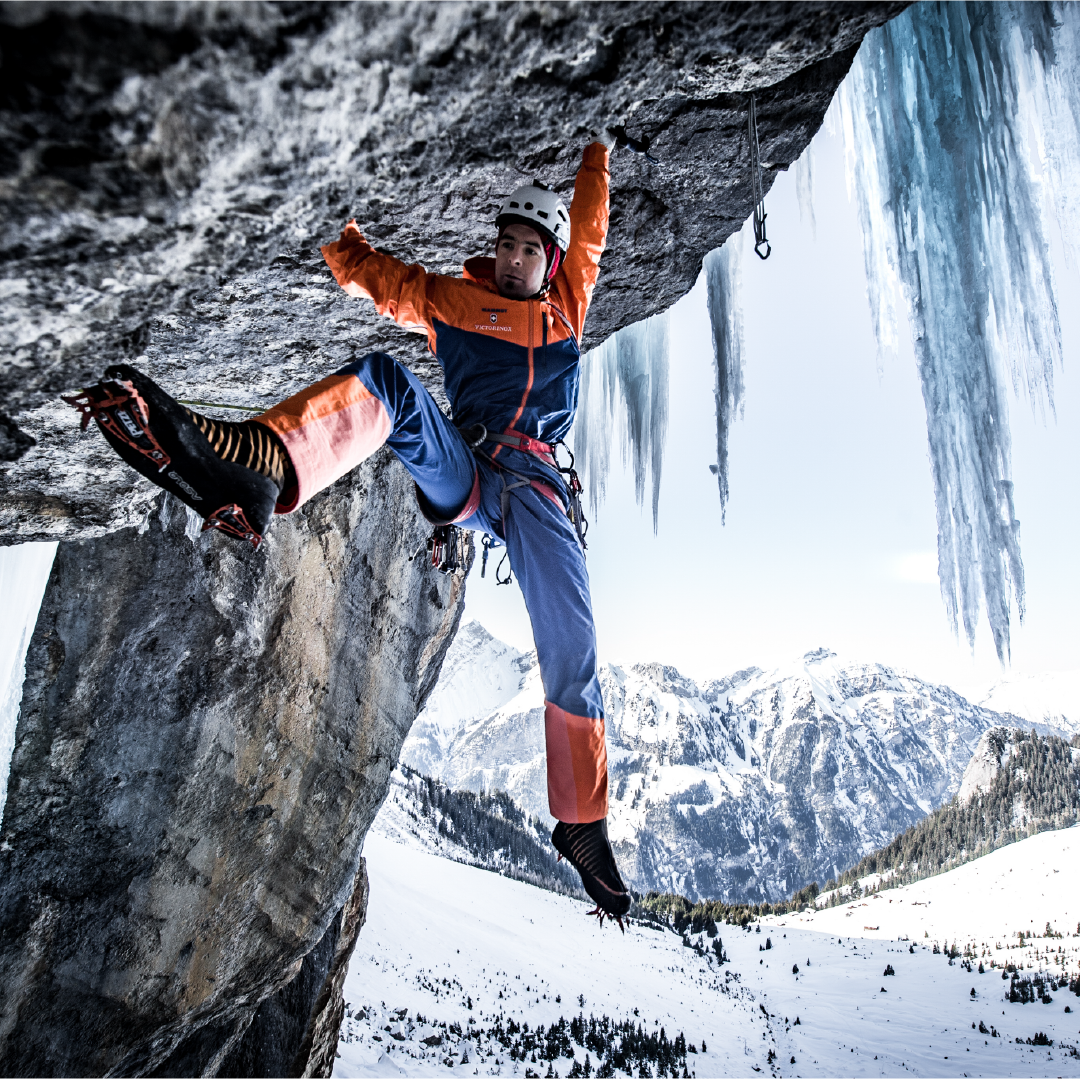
x: 452, y: 958
x: 480, y: 674
x: 995, y: 748
x: 747, y: 787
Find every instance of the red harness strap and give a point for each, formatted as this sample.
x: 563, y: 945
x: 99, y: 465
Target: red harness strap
x: 517, y: 441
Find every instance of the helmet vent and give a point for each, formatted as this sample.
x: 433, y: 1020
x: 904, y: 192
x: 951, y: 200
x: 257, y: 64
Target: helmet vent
x: 528, y: 206
x: 543, y: 213
x: 514, y: 205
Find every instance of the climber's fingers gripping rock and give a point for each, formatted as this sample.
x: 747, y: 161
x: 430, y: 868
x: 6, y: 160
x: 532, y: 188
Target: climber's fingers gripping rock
x: 608, y: 136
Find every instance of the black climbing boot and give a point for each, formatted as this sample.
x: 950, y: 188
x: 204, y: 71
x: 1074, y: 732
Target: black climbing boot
x: 586, y: 848
x: 229, y: 474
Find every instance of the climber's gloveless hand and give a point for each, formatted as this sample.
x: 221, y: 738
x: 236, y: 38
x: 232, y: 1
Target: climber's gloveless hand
x: 608, y: 137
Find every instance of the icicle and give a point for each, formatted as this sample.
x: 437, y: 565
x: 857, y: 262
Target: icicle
x: 722, y: 276
x: 24, y: 573
x: 936, y: 115
x: 631, y: 367
x: 804, y: 188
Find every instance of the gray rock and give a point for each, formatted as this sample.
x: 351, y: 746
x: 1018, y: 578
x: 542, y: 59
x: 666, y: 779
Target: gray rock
x: 206, y: 734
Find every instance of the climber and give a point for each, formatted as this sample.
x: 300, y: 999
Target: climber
x: 507, y: 334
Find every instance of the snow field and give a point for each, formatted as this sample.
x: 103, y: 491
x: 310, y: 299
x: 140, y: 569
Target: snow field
x: 1017, y: 888
x: 440, y: 934
x: 514, y: 950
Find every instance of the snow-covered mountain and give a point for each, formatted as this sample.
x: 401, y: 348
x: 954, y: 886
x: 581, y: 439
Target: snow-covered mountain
x: 746, y: 787
x: 1049, y: 703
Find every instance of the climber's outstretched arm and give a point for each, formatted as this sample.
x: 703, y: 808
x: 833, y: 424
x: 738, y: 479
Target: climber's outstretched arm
x: 576, y: 278
x: 399, y: 290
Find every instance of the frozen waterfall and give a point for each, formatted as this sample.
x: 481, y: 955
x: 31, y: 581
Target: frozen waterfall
x: 24, y: 573
x: 624, y: 399
x: 721, y: 268
x: 960, y: 122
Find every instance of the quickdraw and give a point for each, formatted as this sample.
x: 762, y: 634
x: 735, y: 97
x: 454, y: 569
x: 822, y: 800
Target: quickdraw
x: 574, y: 490
x: 489, y: 542
x: 446, y: 549
x: 757, y: 178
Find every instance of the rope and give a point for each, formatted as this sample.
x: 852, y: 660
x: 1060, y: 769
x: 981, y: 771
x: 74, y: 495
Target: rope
x: 757, y: 177
x: 221, y: 405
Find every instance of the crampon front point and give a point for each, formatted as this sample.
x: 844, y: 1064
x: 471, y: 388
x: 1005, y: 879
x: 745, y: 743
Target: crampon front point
x: 120, y: 410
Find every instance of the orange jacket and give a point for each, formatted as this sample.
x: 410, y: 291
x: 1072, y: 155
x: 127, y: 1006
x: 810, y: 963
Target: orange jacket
x: 509, y: 364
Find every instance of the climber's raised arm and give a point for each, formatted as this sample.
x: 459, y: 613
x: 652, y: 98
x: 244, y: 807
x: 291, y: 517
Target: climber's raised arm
x: 398, y: 290
x: 576, y: 278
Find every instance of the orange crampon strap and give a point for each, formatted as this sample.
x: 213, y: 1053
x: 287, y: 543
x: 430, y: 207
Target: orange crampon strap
x: 120, y: 410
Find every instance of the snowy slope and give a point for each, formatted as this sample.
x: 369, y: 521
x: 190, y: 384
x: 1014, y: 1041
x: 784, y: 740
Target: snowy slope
x: 986, y: 902
x: 441, y: 936
x: 742, y: 788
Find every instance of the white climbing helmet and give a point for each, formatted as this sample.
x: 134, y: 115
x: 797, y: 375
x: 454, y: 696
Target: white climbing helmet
x: 538, y: 206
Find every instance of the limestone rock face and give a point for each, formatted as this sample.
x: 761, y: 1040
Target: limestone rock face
x: 208, y: 731
x: 206, y: 734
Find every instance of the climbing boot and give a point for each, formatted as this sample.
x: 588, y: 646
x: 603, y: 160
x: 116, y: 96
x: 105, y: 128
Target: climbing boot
x: 587, y: 849
x: 229, y: 474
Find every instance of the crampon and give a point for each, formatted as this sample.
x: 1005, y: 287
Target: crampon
x: 157, y: 437
x: 601, y: 914
x: 586, y: 847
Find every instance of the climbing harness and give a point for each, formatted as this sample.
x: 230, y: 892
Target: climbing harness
x: 760, y: 238
x: 638, y: 146
x: 475, y: 435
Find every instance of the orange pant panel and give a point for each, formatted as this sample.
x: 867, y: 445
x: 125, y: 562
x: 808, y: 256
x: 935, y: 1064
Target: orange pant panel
x: 576, y: 766
x: 327, y: 429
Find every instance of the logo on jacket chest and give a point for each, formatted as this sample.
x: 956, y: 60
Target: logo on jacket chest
x: 493, y: 320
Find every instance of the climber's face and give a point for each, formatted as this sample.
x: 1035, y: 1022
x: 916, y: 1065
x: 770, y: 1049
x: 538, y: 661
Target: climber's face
x: 520, y: 262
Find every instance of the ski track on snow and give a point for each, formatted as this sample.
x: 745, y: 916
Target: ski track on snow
x: 431, y: 920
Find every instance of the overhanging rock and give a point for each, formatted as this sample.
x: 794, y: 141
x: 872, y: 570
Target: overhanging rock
x: 169, y: 172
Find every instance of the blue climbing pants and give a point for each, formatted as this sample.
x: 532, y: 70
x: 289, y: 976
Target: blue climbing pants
x: 332, y: 426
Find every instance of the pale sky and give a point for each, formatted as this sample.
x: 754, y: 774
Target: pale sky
x: 830, y: 536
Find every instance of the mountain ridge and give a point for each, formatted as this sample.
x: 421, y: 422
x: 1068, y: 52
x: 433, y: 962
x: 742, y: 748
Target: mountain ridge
x: 744, y: 788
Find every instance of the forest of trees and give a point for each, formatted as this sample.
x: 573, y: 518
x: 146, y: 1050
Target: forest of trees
x: 492, y: 831
x: 1036, y: 789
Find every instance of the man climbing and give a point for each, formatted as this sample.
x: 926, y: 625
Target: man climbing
x: 507, y: 334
